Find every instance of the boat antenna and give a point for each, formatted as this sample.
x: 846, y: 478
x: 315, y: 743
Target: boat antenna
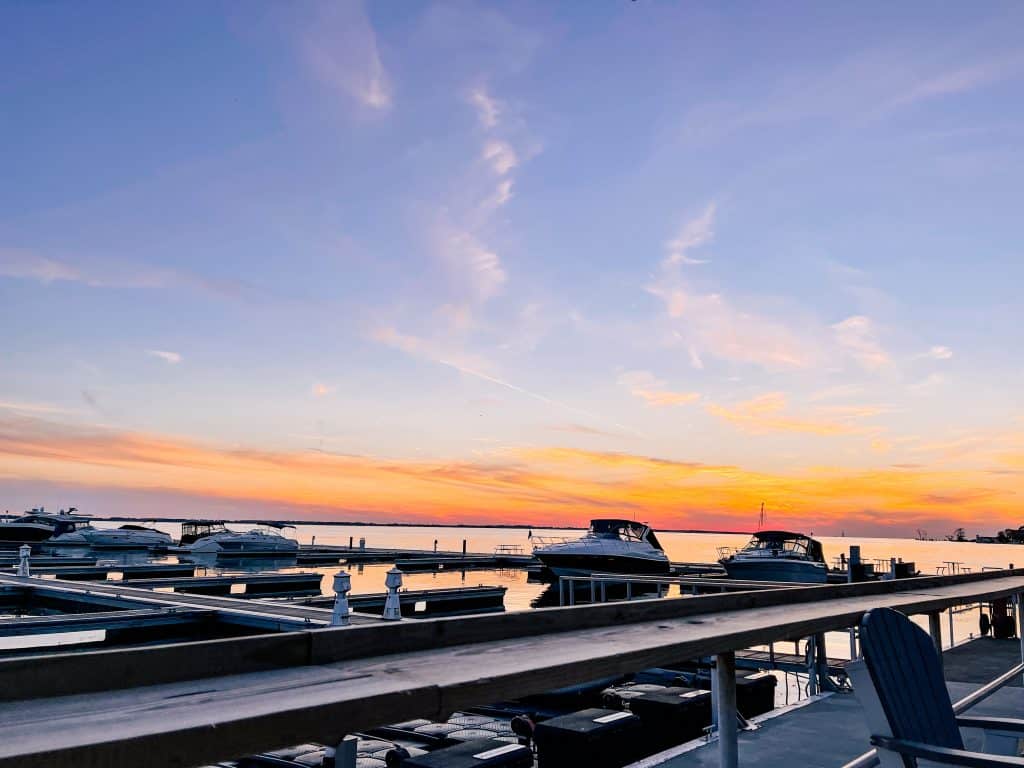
x: 760, y: 519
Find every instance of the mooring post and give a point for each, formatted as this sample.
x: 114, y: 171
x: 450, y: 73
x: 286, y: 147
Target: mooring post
x: 342, y: 586
x: 24, y: 553
x: 463, y: 547
x: 725, y: 703
x: 350, y: 542
x: 362, y: 543
x: 935, y: 630
x: 393, y: 603
x: 342, y: 756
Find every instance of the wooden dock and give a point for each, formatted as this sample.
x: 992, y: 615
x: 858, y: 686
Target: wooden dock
x: 202, y: 702
x: 255, y: 584
x: 102, y: 572
x: 427, y: 602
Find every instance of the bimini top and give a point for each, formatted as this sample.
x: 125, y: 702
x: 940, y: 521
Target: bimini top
x: 787, y: 543
x: 627, y: 530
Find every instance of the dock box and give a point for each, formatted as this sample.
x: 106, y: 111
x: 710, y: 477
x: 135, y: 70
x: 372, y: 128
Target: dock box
x: 755, y: 694
x: 673, y: 716
x: 595, y: 738
x: 482, y: 753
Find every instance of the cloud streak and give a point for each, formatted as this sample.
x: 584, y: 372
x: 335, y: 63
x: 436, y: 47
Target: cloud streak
x: 168, y: 357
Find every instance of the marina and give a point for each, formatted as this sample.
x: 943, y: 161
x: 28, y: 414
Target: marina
x: 648, y: 647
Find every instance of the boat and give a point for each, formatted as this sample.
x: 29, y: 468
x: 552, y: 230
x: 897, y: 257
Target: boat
x: 128, y: 536
x: 609, y: 546
x: 213, y: 536
x: 777, y: 556
x: 39, y: 525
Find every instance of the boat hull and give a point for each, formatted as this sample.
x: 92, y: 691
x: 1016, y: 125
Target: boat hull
x: 795, y: 571
x: 13, y: 533
x: 570, y: 564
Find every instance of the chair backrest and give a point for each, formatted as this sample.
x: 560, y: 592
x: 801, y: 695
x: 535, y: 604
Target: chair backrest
x: 907, y: 675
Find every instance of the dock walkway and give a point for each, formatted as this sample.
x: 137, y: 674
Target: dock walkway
x: 830, y: 731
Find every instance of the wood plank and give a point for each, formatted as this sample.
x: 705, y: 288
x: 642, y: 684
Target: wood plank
x: 204, y: 720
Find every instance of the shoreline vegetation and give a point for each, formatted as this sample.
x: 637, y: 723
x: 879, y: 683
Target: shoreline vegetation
x: 353, y: 523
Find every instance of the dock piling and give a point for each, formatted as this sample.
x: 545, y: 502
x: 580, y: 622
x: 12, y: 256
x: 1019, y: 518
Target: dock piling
x: 24, y: 553
x: 393, y: 604
x: 725, y: 705
x: 342, y: 586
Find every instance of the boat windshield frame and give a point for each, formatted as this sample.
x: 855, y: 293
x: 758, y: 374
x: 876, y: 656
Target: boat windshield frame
x: 202, y: 528
x: 783, y: 544
x: 624, y: 530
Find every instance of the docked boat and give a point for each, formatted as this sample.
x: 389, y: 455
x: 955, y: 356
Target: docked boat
x: 213, y: 536
x: 128, y: 536
x: 609, y: 546
x: 38, y: 526
x: 777, y: 556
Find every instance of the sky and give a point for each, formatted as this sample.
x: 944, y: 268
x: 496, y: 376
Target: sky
x: 515, y: 262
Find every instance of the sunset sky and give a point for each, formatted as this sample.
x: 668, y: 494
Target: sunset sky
x: 515, y: 262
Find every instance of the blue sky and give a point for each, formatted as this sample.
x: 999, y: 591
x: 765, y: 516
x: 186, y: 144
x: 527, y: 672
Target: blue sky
x: 784, y: 240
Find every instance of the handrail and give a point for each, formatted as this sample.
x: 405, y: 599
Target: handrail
x: 870, y: 758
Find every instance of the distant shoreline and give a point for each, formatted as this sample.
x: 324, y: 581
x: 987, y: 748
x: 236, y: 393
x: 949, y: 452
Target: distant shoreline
x: 352, y: 523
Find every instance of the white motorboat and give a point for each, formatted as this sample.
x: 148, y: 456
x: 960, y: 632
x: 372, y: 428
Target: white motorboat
x: 214, y: 537
x: 39, y: 526
x: 777, y: 556
x: 609, y: 546
x: 128, y: 536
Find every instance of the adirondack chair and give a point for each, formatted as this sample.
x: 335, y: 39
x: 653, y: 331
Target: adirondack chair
x: 900, y: 686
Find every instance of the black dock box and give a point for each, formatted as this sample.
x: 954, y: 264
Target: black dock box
x: 479, y: 753
x: 755, y: 694
x: 674, y: 715
x: 595, y: 738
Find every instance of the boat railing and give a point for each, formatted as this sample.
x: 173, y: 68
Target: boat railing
x: 509, y: 549
x: 547, y: 541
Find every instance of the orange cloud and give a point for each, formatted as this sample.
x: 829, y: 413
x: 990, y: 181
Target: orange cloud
x: 528, y: 485
x: 766, y: 413
x: 649, y: 388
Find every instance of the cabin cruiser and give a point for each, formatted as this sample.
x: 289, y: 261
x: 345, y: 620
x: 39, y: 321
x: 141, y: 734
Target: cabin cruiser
x: 609, y: 546
x: 212, y: 536
x: 129, y: 536
x: 777, y: 556
x: 38, y: 526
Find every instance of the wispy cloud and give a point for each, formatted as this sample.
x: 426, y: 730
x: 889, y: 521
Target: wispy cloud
x: 500, y: 156
x: 857, y: 335
x: 488, y: 109
x: 938, y: 353
x: 583, y: 429
x: 696, y: 232
x: 963, y: 79
x: 340, y: 46
x: 653, y: 391
x: 168, y: 357
x: 768, y: 413
x: 473, y: 265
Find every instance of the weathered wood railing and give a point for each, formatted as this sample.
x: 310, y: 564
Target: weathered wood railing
x: 191, y: 703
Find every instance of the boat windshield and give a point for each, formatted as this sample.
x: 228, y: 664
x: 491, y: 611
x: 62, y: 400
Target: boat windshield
x: 783, y: 544
x: 202, y: 528
x: 626, y: 530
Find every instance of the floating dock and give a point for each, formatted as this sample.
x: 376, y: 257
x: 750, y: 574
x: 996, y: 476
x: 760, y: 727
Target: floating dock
x: 427, y: 602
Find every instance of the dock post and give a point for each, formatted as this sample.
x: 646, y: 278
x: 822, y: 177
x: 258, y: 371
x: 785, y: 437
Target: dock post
x: 343, y: 755
x: 725, y: 704
x: 350, y: 542
x: 24, y: 553
x: 821, y: 659
x: 463, y: 547
x: 1020, y: 623
x: 342, y: 586
x: 362, y: 543
x: 935, y: 630
x: 393, y: 603
x: 812, y: 665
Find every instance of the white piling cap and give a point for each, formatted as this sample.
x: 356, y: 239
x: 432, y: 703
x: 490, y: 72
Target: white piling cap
x: 394, y: 579
x: 342, y: 581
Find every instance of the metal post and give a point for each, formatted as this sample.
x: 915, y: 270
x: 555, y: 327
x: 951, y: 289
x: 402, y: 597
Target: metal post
x: 24, y: 553
x: 393, y: 603
x: 463, y: 547
x: 812, y: 666
x: 854, y: 561
x: 342, y: 586
x: 728, y: 733
x: 572, y: 591
x: 604, y: 592
x: 593, y: 597
x: 1020, y: 623
x: 950, y: 626
x: 629, y: 590
x: 935, y: 630
x: 350, y: 542
x: 561, y: 592
x: 362, y: 543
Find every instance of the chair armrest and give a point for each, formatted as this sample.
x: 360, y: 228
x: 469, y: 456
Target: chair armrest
x: 945, y: 755
x: 992, y: 723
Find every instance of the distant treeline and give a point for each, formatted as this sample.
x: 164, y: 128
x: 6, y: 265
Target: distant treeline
x: 122, y: 519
